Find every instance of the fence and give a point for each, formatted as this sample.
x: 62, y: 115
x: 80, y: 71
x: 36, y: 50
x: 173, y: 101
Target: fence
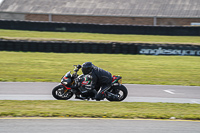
x: 110, y: 48
x: 98, y: 28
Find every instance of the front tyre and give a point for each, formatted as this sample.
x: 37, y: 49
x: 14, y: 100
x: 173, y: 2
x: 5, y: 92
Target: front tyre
x: 117, y: 93
x: 61, y: 93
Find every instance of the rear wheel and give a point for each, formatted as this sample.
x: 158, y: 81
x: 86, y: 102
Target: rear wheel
x: 61, y: 93
x: 117, y: 93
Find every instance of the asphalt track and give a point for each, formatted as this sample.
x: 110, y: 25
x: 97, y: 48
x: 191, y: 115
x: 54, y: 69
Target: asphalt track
x: 48, y: 125
x: 137, y: 93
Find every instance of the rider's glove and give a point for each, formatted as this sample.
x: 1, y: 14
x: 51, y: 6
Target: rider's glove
x: 78, y: 66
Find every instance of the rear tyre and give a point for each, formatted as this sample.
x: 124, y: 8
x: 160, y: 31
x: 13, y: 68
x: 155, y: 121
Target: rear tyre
x: 119, y: 93
x: 60, y: 93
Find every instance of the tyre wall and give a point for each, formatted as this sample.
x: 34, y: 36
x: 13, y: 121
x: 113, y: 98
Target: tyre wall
x: 99, y: 28
x: 89, y: 47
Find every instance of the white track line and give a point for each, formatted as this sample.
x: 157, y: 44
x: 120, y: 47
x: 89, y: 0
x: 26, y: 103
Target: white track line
x: 169, y: 91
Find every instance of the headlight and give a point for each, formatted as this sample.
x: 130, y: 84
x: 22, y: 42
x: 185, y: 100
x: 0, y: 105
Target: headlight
x: 65, y: 83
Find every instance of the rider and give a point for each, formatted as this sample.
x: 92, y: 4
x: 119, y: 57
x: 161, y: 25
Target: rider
x: 100, y: 78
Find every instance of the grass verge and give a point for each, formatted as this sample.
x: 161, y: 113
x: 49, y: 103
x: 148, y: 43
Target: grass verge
x: 95, y: 37
x: 137, y: 69
x: 91, y: 109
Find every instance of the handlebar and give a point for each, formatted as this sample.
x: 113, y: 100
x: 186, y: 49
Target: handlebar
x: 77, y: 67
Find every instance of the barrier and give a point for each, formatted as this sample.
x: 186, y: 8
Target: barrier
x: 109, y: 48
x: 99, y: 28
x: 190, y: 50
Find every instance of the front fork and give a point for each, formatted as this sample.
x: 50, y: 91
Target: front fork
x: 66, y: 89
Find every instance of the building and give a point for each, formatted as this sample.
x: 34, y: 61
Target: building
x: 125, y: 12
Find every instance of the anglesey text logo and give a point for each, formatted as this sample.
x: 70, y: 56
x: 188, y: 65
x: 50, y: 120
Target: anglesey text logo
x: 161, y: 51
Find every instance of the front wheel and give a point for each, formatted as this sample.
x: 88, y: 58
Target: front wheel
x: 117, y: 93
x: 61, y: 93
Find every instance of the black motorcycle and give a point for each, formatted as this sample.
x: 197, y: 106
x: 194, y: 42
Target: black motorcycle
x: 73, y: 84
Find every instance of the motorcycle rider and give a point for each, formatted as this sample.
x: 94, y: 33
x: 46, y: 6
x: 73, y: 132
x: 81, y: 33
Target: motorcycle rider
x: 100, y: 79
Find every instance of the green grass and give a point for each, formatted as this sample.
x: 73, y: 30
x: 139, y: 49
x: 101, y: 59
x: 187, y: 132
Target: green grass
x: 36, y: 35
x: 125, y: 110
x: 135, y: 69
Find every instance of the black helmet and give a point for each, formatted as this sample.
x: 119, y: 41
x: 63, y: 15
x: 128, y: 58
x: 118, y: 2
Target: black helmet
x: 87, y: 67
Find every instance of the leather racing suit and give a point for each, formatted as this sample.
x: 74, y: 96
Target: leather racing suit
x: 100, y: 79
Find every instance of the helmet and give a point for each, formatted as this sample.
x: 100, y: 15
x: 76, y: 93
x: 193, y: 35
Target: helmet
x: 87, y: 67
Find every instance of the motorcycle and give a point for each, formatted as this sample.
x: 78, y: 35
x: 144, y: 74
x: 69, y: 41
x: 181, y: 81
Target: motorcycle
x: 73, y: 84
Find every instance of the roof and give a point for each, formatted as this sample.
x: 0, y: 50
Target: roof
x: 123, y: 8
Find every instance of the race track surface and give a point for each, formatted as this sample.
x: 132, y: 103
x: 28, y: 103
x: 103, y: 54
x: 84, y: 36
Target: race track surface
x: 136, y: 92
x: 32, y: 125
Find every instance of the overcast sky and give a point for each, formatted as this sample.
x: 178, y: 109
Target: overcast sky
x: 1, y: 1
